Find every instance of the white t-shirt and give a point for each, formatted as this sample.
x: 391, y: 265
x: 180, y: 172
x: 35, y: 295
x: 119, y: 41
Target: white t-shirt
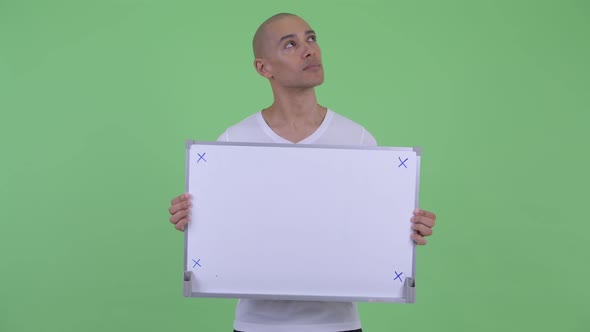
x: 301, y: 316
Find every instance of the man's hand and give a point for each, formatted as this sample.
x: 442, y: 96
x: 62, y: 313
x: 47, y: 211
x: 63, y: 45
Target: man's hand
x: 180, y: 210
x: 423, y: 223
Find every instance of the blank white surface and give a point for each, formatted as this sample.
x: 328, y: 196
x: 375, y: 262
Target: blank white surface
x: 289, y: 222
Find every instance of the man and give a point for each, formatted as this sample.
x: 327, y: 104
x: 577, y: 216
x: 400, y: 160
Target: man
x: 287, y: 54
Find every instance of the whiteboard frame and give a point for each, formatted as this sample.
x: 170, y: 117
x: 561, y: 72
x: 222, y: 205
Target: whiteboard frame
x: 409, y: 287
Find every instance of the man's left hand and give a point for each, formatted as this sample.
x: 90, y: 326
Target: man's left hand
x: 423, y: 222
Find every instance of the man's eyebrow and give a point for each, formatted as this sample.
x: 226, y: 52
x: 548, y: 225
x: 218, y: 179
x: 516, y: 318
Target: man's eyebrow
x: 292, y: 35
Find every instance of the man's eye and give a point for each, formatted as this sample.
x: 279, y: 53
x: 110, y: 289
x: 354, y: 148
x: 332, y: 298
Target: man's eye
x: 312, y: 38
x: 290, y: 44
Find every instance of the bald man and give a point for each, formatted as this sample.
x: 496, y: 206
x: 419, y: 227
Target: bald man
x: 286, y: 53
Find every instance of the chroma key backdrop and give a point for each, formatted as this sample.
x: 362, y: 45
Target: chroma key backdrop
x: 97, y: 99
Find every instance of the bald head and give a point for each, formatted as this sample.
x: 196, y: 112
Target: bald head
x: 261, y: 36
x: 286, y: 52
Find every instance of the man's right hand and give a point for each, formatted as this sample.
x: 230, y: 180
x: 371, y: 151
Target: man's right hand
x: 180, y: 211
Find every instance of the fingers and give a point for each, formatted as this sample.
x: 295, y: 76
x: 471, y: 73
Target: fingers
x: 175, y: 218
x: 180, y: 211
x: 181, y: 204
x: 181, y: 198
x: 422, y: 229
x: 181, y: 224
x: 423, y: 220
x: 419, y: 239
x: 423, y: 213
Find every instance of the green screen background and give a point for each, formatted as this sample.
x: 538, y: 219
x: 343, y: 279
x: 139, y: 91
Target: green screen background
x: 98, y: 97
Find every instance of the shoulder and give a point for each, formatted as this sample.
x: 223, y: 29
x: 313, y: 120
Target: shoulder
x: 345, y: 127
x: 245, y: 128
x: 344, y: 122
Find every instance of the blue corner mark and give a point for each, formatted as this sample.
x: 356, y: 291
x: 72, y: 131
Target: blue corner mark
x: 196, y: 263
x: 403, y: 163
x: 201, y: 157
x: 398, y: 276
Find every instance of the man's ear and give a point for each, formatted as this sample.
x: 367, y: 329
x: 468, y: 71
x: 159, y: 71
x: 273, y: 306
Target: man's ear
x: 262, y: 67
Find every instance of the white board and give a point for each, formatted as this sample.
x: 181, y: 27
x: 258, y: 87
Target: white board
x: 301, y: 222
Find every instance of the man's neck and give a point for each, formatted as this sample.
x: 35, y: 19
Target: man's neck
x: 294, y: 109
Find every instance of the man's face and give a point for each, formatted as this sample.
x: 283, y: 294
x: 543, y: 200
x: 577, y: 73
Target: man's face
x: 293, y: 55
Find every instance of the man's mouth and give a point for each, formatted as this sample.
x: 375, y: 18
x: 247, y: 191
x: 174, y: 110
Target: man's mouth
x: 312, y: 66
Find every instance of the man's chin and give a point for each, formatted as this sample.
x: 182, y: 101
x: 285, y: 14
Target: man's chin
x: 307, y: 85
x: 316, y: 83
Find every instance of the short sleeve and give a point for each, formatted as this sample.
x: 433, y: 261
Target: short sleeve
x: 368, y: 139
x: 224, y: 137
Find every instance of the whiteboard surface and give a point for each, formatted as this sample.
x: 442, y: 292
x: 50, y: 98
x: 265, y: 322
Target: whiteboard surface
x: 300, y: 221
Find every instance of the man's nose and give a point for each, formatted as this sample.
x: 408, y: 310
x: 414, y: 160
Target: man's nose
x: 308, y: 51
